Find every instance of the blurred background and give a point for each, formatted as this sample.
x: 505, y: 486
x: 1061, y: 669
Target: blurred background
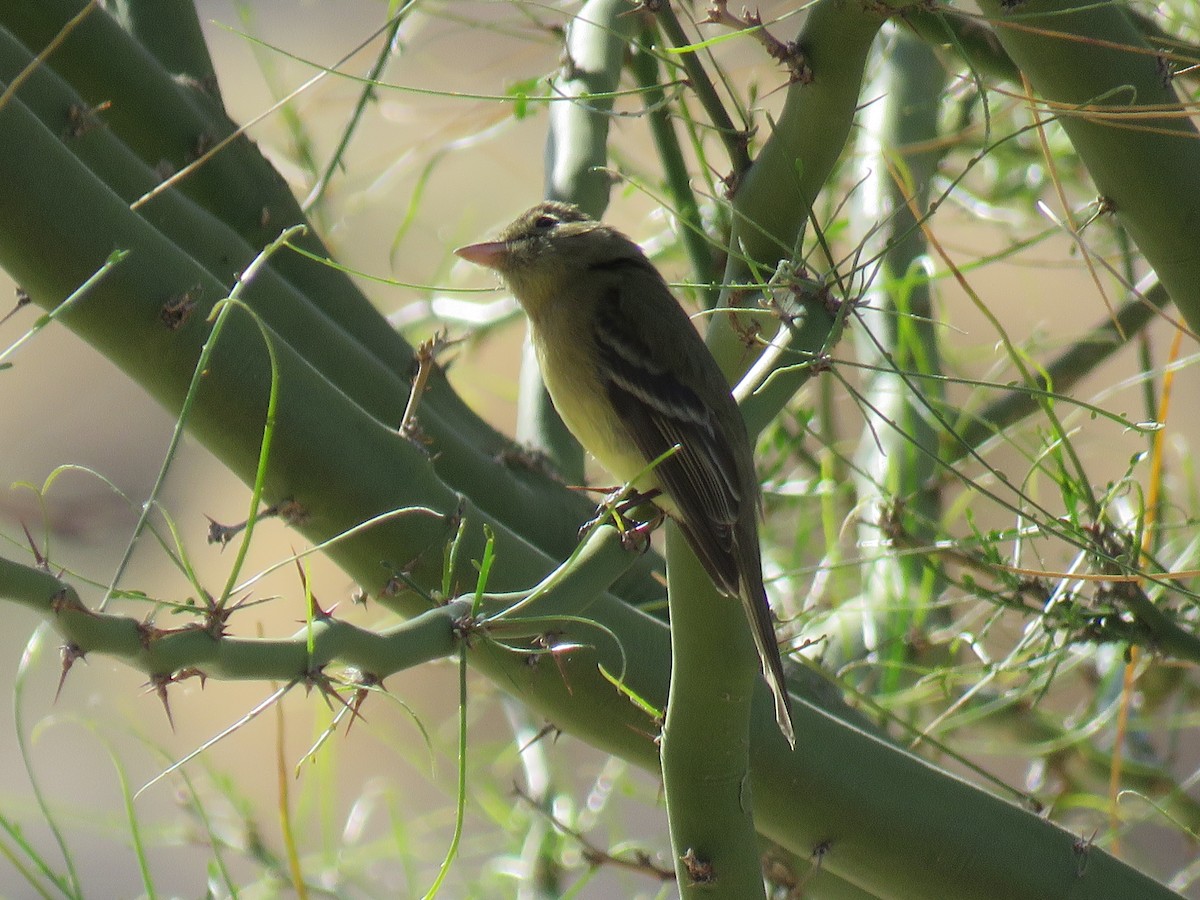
x: 426, y: 172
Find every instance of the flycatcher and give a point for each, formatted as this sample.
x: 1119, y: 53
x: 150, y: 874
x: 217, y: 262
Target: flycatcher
x: 632, y: 379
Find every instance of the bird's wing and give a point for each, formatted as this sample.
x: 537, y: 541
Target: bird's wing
x: 714, y: 493
x: 659, y: 411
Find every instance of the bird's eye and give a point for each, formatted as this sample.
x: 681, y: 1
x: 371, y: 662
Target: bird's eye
x: 544, y: 222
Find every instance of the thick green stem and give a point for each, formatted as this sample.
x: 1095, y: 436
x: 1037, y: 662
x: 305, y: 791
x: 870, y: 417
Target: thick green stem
x: 899, y: 335
x: 705, y: 754
x: 971, y: 39
x: 218, y: 253
x: 774, y: 200
x: 1113, y: 97
x: 168, y: 123
x: 429, y: 635
x: 165, y: 122
x: 170, y: 30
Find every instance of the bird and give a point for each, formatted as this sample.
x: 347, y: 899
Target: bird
x: 631, y: 379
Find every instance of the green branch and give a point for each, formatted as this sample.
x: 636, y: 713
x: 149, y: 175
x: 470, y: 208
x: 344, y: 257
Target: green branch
x: 705, y: 756
x: 1113, y: 98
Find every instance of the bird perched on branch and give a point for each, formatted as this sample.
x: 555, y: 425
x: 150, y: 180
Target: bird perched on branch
x: 632, y: 379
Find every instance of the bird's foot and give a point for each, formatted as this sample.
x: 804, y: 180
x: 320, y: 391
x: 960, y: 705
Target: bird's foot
x: 636, y: 536
x: 618, y: 506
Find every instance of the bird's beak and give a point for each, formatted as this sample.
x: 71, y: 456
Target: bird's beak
x: 490, y: 253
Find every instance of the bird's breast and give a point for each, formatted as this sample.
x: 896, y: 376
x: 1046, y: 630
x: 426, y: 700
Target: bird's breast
x: 581, y: 397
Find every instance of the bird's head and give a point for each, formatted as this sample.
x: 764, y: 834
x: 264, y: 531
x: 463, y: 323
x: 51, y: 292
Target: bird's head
x: 547, y: 247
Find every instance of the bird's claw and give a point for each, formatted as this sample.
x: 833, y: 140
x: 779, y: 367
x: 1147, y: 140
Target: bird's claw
x: 637, y: 538
x: 618, y: 505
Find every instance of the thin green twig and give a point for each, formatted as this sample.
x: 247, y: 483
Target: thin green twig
x: 675, y: 169
x: 70, y: 884
x: 222, y: 312
x: 365, y: 96
x: 734, y: 138
x: 114, y: 260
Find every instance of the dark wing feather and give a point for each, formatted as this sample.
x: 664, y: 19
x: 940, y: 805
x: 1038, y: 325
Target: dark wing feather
x: 659, y: 411
x: 710, y: 479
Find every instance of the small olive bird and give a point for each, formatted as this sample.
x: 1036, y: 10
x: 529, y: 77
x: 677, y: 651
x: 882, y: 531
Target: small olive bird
x: 632, y: 379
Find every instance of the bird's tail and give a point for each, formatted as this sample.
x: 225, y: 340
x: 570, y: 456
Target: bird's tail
x: 758, y: 613
x: 739, y: 573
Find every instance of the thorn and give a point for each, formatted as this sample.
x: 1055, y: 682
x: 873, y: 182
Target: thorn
x: 548, y: 641
x: 546, y: 730
x: 40, y: 561
x: 82, y: 119
x: 191, y: 672
x: 159, y: 683
x: 312, y: 598
x: 70, y: 653
x: 324, y: 684
x: 222, y: 534
x: 203, y: 143
x: 65, y: 600
x: 148, y: 634
x: 700, y: 871
x: 23, y: 300
x: 290, y: 511
x: 366, y: 683
x: 528, y: 459
x: 465, y: 627
x: 175, y: 313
